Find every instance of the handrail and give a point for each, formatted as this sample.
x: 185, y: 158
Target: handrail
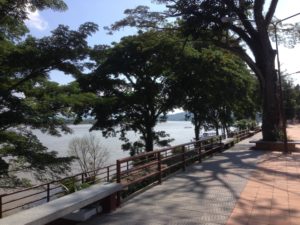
x: 144, y: 168
x: 35, y: 194
x: 158, y: 163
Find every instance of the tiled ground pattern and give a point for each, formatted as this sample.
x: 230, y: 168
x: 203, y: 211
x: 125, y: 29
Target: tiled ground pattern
x: 272, y: 194
x: 237, y: 187
x: 204, y: 194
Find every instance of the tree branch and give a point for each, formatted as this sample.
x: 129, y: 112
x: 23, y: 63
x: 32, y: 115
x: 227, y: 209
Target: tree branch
x: 243, y: 55
x: 258, y: 16
x: 271, y: 12
x: 242, y: 17
x: 242, y: 34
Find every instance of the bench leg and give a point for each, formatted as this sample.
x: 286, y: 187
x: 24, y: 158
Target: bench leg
x: 109, y: 203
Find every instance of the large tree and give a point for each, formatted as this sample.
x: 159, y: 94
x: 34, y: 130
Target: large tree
x: 28, y: 100
x: 135, y: 88
x: 291, y: 95
x: 238, y: 26
x: 216, y: 85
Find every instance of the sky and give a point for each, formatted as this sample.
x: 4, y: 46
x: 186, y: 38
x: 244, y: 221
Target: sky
x: 106, y: 12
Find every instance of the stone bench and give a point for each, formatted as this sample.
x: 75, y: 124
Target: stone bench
x: 228, y: 142
x: 275, y: 146
x: 65, y: 205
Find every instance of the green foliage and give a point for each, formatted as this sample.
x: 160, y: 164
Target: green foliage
x: 28, y: 100
x: 71, y: 185
x: 245, y: 124
x: 216, y: 85
x: 14, y: 13
x: 15, y: 181
x: 238, y: 26
x: 291, y: 96
x: 136, y: 87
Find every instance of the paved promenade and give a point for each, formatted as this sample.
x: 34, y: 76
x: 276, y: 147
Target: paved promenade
x: 204, y: 194
x: 239, y: 186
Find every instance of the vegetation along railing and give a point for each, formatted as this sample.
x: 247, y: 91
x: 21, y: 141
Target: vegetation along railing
x: 134, y: 173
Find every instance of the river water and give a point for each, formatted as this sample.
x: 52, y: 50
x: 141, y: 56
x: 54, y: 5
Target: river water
x: 180, y: 131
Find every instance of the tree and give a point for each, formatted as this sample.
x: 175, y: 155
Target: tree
x: 249, y: 26
x: 28, y: 100
x: 291, y: 94
x: 216, y: 85
x: 88, y: 152
x: 14, y: 13
x: 134, y: 88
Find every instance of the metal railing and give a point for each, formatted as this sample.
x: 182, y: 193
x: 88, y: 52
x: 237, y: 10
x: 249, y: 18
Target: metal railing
x: 134, y: 173
x: 26, y: 198
x: 139, y: 171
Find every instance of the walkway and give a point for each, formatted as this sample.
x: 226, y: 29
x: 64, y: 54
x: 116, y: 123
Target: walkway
x: 239, y: 186
x: 272, y: 194
x: 205, y: 194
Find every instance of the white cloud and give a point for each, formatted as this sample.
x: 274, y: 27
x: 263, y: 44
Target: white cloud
x: 36, y: 21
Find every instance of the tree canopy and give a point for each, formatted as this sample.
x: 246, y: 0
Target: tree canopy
x: 216, y: 87
x: 291, y: 94
x: 233, y: 25
x: 28, y: 100
x: 135, y: 88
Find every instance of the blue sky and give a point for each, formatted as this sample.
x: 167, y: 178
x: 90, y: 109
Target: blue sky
x: 101, y: 12
x: 106, y: 12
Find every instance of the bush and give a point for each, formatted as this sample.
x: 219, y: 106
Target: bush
x: 88, y: 152
x: 245, y: 124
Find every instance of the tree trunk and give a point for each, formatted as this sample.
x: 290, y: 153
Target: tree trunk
x: 149, y: 139
x: 217, y: 128
x: 270, y: 93
x: 224, y: 131
x: 196, y: 127
x: 271, y: 108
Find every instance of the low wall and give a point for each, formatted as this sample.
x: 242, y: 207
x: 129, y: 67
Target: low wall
x: 274, y: 146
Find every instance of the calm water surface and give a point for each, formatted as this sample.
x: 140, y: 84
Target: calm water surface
x: 180, y: 131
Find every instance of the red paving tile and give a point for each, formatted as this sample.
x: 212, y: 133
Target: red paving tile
x: 272, y: 194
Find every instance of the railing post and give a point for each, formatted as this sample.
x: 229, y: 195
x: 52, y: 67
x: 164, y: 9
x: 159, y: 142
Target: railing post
x: 1, y: 206
x: 183, y: 157
x: 118, y: 181
x: 199, y: 145
x: 82, y: 178
x: 48, y: 192
x: 107, y: 174
x: 159, y: 167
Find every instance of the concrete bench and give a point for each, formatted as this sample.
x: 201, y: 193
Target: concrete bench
x: 228, y: 142
x: 275, y: 146
x: 65, y: 205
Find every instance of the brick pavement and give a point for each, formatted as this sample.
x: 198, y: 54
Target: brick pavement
x: 239, y: 186
x: 272, y: 194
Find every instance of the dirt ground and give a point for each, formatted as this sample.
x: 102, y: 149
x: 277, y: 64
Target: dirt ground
x: 293, y: 132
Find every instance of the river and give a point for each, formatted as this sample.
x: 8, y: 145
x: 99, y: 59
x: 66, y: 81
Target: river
x: 180, y: 131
